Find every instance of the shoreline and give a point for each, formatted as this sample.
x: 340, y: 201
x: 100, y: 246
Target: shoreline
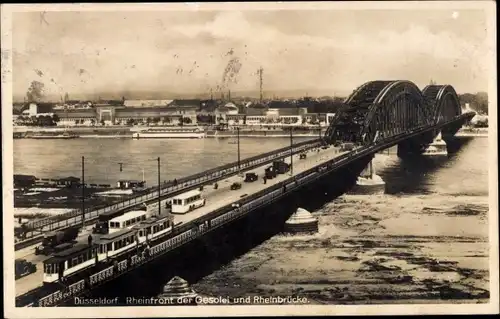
x: 125, y: 132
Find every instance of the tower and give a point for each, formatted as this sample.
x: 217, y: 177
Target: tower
x: 260, y: 72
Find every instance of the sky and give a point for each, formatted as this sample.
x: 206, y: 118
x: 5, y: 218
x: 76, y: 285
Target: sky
x: 333, y: 51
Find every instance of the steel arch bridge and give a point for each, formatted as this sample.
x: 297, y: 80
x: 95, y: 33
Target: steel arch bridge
x: 379, y: 110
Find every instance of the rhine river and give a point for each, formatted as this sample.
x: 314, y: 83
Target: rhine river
x: 425, y: 240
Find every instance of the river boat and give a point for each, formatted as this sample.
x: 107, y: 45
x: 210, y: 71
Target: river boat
x: 170, y: 132
x: 63, y: 136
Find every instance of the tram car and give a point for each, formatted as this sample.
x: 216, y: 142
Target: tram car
x: 186, y: 202
x: 126, y: 220
x: 68, y: 262
x: 153, y: 228
x: 105, y: 249
x: 102, y: 225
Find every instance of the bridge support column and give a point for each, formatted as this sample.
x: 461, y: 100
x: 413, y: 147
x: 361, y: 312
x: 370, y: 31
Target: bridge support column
x: 437, y: 147
x: 410, y: 147
x: 369, y: 183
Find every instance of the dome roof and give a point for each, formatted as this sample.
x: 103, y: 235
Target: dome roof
x: 177, y: 287
x: 301, y: 216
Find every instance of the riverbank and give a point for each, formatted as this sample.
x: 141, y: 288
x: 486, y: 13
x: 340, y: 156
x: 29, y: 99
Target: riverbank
x: 473, y: 132
x: 125, y: 132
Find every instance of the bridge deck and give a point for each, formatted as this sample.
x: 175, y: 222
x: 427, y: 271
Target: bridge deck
x: 184, y: 184
x: 214, y: 199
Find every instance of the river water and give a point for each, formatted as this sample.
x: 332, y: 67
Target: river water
x: 62, y: 158
x: 425, y: 240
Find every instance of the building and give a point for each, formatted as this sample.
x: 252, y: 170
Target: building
x: 322, y: 119
x: 146, y: 103
x: 145, y: 111
x: 159, y: 114
x: 33, y: 109
x: 191, y: 104
x: 227, y: 109
x: 75, y: 117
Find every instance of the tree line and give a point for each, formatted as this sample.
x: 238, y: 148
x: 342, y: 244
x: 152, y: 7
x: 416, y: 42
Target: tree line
x: 478, y: 101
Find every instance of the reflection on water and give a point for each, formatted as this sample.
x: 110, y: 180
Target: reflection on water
x: 430, y: 174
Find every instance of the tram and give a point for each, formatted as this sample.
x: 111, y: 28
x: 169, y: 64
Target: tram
x: 126, y: 220
x: 108, y: 247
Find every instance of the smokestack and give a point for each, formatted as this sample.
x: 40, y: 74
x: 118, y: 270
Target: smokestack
x: 229, y: 94
x: 222, y: 95
x: 211, y: 95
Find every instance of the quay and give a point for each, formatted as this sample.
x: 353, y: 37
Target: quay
x: 402, y: 122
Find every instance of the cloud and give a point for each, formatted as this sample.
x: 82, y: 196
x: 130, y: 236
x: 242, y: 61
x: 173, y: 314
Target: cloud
x: 332, y: 58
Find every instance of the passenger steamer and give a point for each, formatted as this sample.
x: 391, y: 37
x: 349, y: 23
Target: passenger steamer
x: 169, y: 132
x: 63, y: 136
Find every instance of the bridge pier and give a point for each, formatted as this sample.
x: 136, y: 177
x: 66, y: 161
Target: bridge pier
x: 437, y: 147
x: 414, y: 146
x: 368, y: 182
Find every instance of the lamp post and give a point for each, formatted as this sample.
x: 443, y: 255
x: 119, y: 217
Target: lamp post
x: 319, y: 126
x: 291, y: 151
x: 83, y: 191
x: 159, y: 189
x: 238, y: 138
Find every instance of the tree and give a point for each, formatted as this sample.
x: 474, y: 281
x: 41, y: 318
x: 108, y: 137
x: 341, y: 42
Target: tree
x: 186, y: 120
x: 155, y: 120
x: 55, y: 119
x: 477, y: 102
x: 35, y: 91
x: 92, y: 122
x: 102, y: 122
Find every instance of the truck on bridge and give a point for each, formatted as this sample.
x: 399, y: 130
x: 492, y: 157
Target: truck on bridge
x: 57, y: 241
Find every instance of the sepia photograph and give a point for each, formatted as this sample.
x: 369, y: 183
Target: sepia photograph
x: 222, y: 159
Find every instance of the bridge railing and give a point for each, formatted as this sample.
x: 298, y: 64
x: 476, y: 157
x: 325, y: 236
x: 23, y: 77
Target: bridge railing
x: 183, y: 184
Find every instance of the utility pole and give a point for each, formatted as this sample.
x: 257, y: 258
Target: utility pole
x: 83, y: 192
x: 319, y: 126
x: 291, y: 151
x: 260, y: 72
x: 159, y: 189
x: 238, y: 138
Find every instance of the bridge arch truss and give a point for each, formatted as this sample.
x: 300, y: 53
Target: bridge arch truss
x: 378, y: 110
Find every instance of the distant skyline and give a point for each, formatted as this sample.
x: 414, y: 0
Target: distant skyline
x: 187, y: 52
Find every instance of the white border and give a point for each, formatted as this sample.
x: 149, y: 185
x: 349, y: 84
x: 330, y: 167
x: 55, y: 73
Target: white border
x: 204, y: 311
